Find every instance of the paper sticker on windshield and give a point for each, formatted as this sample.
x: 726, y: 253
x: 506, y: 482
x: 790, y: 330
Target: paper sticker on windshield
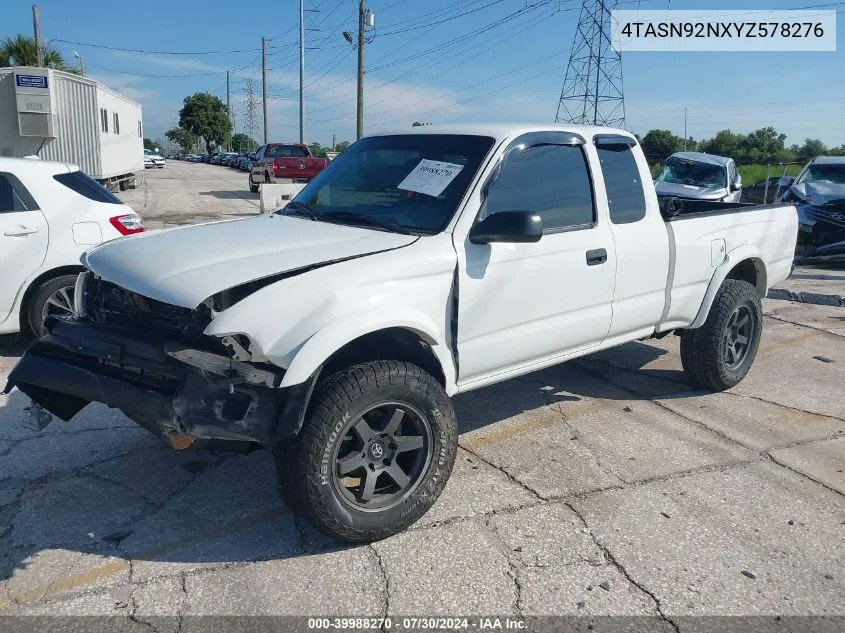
x: 430, y: 177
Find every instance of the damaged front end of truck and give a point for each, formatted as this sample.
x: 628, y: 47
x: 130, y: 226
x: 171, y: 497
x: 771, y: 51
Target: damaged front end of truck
x: 152, y: 361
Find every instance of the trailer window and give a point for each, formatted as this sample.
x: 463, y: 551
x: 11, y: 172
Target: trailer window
x: 104, y: 120
x: 116, y: 124
x: 140, y: 135
x: 625, y: 197
x: 86, y: 186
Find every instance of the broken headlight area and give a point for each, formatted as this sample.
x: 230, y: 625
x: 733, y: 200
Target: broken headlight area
x: 151, y: 361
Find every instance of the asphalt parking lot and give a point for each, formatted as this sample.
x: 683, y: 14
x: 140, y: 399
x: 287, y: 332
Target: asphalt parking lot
x: 605, y: 486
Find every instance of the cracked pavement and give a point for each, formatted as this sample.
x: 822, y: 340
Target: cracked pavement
x: 604, y: 486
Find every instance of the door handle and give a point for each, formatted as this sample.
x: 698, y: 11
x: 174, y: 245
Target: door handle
x: 20, y: 232
x: 596, y: 257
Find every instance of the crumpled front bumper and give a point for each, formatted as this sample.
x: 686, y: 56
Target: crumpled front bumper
x: 183, y: 393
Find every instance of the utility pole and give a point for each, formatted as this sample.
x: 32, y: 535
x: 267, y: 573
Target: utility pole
x: 36, y: 26
x: 228, y: 107
x: 301, y: 71
x: 360, y: 114
x: 264, y: 84
x: 685, y: 129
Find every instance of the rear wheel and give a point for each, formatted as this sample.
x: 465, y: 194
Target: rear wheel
x: 719, y: 354
x: 375, y: 451
x: 52, y: 297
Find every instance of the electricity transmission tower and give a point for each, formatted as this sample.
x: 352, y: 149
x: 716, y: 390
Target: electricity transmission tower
x: 251, y: 118
x: 592, y: 90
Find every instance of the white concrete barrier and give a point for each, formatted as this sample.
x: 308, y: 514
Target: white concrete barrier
x: 276, y: 195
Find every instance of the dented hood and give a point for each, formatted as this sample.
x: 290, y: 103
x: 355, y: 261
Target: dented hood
x: 689, y: 191
x: 819, y: 193
x: 186, y: 265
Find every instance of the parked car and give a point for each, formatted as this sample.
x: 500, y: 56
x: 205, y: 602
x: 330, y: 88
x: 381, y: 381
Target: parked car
x: 416, y: 266
x: 767, y: 190
x: 699, y: 176
x: 244, y: 162
x: 151, y: 159
x: 50, y: 213
x: 819, y: 195
x: 284, y: 161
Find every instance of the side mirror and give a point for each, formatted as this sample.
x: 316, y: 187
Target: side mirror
x: 736, y: 185
x: 508, y: 226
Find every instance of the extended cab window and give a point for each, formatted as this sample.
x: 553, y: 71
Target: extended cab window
x: 550, y: 180
x: 86, y: 186
x: 625, y: 196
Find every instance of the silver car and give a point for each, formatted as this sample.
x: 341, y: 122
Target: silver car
x: 699, y: 176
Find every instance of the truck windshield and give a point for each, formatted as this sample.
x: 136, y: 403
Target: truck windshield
x: 690, y: 172
x: 411, y: 181
x: 824, y: 174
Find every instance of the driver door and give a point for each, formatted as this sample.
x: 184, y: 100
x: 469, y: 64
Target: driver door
x: 523, y: 304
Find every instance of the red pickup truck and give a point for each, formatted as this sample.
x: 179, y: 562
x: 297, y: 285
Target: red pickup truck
x: 284, y: 161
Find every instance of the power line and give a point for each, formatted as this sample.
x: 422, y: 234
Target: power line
x: 137, y: 50
x: 126, y: 72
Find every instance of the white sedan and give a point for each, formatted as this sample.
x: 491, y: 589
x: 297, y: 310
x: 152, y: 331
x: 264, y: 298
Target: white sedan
x: 50, y: 213
x: 151, y: 159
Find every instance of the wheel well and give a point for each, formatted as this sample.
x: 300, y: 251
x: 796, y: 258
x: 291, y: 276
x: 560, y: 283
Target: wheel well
x: 753, y: 271
x: 35, y: 283
x: 390, y: 344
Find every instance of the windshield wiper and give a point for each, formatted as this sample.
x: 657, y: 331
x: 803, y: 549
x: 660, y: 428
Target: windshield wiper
x: 365, y: 220
x: 301, y: 208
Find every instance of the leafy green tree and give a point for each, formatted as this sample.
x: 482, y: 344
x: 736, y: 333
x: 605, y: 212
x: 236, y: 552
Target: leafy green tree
x: 149, y: 144
x: 205, y: 115
x: 812, y: 147
x: 318, y: 150
x: 183, y: 138
x: 659, y: 144
x: 725, y: 143
x: 341, y: 146
x: 767, y: 141
x: 22, y: 51
x: 243, y: 143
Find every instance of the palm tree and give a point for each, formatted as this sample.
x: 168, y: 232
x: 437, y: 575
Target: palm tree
x: 22, y: 51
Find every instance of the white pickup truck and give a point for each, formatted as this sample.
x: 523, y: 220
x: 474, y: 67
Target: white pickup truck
x: 416, y: 266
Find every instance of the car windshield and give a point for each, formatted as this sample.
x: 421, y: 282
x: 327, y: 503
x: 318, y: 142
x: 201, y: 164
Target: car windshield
x: 824, y: 174
x: 412, y: 182
x: 689, y: 172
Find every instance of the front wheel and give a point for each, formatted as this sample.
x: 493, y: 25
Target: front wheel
x: 719, y: 354
x: 52, y: 297
x: 252, y: 186
x: 375, y: 451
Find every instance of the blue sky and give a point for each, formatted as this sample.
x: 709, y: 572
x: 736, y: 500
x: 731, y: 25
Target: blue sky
x: 462, y: 69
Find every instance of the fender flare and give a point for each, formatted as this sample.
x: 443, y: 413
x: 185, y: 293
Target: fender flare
x: 739, y: 254
x: 328, y: 340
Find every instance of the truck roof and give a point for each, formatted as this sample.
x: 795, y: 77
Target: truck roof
x: 501, y: 131
x: 702, y: 157
x: 829, y: 160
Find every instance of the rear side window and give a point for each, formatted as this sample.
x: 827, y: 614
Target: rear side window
x: 549, y: 180
x: 622, y: 182
x: 86, y: 186
x: 286, y: 151
x: 14, y: 196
